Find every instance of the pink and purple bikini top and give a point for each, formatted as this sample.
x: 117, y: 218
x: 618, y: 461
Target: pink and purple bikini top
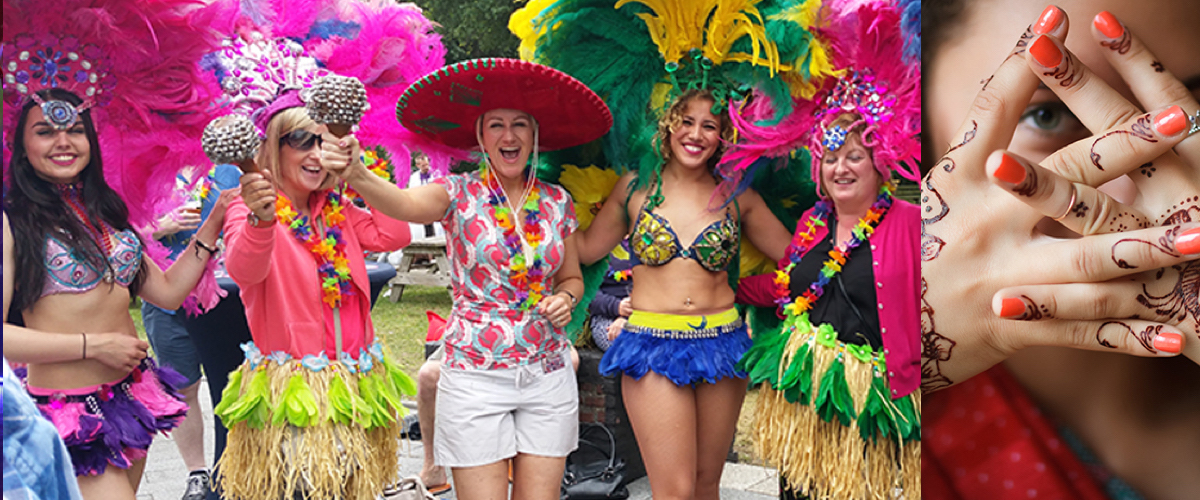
x: 69, y: 272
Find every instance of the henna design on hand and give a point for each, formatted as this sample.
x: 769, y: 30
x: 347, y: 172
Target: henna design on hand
x: 931, y: 246
x: 1104, y: 342
x: 1181, y: 300
x: 1029, y: 186
x: 985, y: 82
x: 1120, y: 45
x: 1080, y: 210
x: 1033, y: 310
x: 968, y: 136
x: 1146, y: 337
x: 1148, y: 169
x: 935, y: 348
x: 1158, y: 67
x: 1125, y: 221
x: 1185, y: 212
x: 1165, y: 244
x: 1023, y: 42
x: 1066, y: 73
x: 1140, y: 129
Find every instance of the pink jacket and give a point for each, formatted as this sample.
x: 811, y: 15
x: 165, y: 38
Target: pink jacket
x: 280, y: 286
x: 896, y: 248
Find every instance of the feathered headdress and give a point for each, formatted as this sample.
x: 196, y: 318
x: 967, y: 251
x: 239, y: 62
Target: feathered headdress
x: 876, y: 44
x: 383, y: 44
x: 134, y: 65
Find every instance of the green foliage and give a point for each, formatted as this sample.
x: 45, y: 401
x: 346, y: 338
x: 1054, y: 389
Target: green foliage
x: 472, y: 29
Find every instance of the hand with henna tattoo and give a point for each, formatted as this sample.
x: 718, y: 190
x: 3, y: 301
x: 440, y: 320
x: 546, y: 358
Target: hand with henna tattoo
x: 985, y: 214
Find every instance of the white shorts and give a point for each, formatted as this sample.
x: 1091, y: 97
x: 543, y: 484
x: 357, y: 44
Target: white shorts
x: 484, y: 416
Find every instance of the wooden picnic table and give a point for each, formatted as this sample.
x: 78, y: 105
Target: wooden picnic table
x: 435, y: 273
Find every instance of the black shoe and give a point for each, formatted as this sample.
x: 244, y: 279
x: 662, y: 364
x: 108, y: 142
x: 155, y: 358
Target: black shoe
x: 197, y: 486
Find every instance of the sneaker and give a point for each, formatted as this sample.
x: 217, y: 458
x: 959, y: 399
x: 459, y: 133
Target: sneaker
x: 197, y: 486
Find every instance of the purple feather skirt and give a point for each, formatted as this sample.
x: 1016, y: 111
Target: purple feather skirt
x: 114, y: 424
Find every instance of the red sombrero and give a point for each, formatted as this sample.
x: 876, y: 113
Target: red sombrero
x: 445, y: 104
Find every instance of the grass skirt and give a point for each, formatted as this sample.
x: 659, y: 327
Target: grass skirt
x: 114, y: 424
x: 825, y: 417
x: 318, y: 428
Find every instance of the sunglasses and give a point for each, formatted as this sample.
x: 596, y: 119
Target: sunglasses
x: 300, y: 140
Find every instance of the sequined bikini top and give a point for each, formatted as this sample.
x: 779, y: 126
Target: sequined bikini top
x: 655, y: 243
x: 69, y: 272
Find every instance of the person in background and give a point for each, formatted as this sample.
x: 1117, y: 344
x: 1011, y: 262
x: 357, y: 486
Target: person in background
x: 420, y: 177
x: 610, y: 307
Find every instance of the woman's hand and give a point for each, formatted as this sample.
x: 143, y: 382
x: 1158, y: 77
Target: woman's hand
x: 625, y: 308
x: 614, y: 328
x: 116, y: 350
x: 969, y: 222
x: 176, y: 221
x: 557, y: 308
x: 258, y: 192
x: 341, y: 156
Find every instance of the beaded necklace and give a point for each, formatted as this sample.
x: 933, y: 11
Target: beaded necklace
x: 99, y: 231
x: 837, y: 257
x: 525, y: 267
x: 330, y: 251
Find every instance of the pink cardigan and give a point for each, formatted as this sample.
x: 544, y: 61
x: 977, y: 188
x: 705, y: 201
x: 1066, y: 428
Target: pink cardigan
x: 279, y: 283
x: 896, y: 247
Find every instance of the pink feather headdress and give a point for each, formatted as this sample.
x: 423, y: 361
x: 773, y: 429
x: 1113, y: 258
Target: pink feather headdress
x: 386, y: 45
x: 878, y: 84
x: 135, y: 65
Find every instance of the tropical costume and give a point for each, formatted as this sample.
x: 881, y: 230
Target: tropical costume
x: 754, y: 57
x: 839, y: 409
x: 107, y: 54
x: 314, y: 410
x: 502, y: 264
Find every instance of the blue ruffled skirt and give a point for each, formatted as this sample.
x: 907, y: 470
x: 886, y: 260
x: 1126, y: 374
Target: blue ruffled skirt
x: 681, y: 356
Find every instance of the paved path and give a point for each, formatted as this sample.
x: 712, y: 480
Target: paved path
x: 165, y: 472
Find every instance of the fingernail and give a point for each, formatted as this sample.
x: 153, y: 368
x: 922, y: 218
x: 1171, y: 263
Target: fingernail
x: 1188, y: 243
x: 1108, y: 24
x: 1171, y: 121
x: 342, y: 144
x: 1009, y: 171
x: 1048, y: 20
x: 1010, y: 307
x: 1045, y: 52
x: 1169, y: 342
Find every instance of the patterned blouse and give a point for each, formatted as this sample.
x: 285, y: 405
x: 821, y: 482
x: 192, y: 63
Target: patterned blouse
x: 486, y: 330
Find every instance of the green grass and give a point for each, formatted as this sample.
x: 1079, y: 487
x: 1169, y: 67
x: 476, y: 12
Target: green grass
x: 401, y: 325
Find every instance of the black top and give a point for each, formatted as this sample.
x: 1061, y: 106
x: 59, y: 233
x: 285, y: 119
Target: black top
x: 849, y: 302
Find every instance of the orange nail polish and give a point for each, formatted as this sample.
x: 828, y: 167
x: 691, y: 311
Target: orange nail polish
x: 1009, y: 171
x: 1171, y: 121
x: 1045, y: 52
x: 1169, y: 342
x: 1010, y: 307
x: 1048, y: 20
x: 1108, y: 25
x: 1188, y: 243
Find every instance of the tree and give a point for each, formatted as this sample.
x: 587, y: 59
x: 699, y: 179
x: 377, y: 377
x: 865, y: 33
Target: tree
x: 472, y: 29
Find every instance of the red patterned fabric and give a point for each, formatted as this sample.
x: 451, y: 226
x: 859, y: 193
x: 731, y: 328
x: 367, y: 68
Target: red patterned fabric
x: 986, y: 439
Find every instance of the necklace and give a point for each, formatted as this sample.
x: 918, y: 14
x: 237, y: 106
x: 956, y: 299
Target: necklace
x: 100, y: 232
x: 522, y: 238
x: 329, y: 251
x: 803, y: 240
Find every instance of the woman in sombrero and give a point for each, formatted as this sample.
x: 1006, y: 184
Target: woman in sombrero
x: 507, y: 389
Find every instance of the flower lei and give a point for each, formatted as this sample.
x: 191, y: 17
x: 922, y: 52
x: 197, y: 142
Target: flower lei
x: 837, y: 258
x: 377, y: 162
x: 330, y: 251
x: 526, y: 277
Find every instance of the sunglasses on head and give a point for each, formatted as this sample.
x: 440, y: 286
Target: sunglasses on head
x: 300, y: 140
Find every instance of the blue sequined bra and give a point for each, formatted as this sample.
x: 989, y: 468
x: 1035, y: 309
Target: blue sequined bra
x: 655, y: 243
x: 69, y: 272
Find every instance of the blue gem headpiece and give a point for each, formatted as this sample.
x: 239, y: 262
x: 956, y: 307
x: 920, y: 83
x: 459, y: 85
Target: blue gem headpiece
x: 834, y: 138
x: 60, y: 114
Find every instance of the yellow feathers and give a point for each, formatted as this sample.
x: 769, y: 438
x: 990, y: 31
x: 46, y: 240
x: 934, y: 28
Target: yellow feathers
x: 589, y: 187
x: 521, y: 23
x: 677, y: 26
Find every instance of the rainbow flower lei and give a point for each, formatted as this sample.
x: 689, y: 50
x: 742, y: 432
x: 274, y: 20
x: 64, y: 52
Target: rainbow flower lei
x: 527, y: 277
x: 837, y: 258
x: 330, y: 251
x: 378, y: 162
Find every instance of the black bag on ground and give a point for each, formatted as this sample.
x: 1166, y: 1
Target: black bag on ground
x: 593, y: 471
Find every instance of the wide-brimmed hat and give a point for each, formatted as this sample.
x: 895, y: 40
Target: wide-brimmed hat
x: 445, y: 104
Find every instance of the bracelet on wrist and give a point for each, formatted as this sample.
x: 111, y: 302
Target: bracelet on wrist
x: 201, y: 245
x: 84, y: 334
x: 570, y: 295
x: 253, y: 220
